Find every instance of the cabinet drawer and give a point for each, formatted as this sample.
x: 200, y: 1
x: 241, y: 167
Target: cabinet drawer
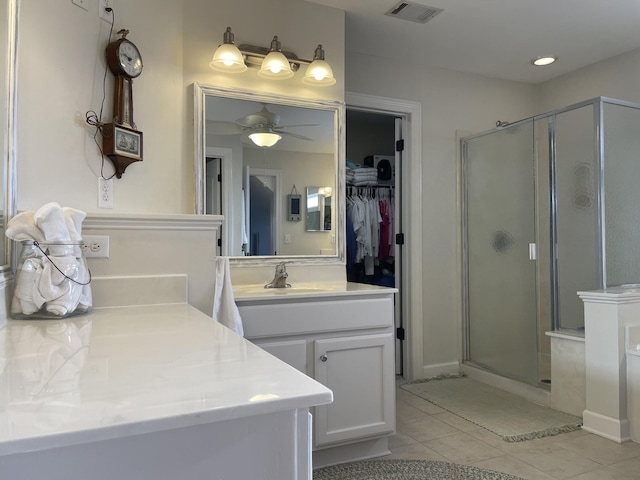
x: 293, y: 352
x: 294, y: 318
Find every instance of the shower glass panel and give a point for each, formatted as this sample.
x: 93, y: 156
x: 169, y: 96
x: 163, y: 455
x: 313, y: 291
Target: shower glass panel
x: 569, y: 181
x: 574, y: 228
x: 622, y: 193
x: 500, y: 240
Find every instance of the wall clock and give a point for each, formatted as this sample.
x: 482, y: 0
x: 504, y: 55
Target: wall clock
x: 121, y: 140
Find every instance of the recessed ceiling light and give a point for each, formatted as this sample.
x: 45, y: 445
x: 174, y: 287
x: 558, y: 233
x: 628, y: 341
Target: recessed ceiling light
x: 542, y: 61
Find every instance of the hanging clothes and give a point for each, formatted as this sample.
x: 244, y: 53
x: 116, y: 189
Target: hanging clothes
x: 370, y: 219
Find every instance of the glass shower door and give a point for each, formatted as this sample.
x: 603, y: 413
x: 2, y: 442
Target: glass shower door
x: 500, y: 249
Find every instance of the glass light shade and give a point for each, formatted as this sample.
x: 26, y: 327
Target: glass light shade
x: 319, y: 73
x: 275, y: 66
x: 228, y: 58
x: 265, y: 139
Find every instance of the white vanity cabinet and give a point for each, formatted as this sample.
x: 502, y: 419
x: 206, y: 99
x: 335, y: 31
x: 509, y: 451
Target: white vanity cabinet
x: 344, y: 340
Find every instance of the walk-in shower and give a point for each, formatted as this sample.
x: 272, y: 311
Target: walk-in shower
x: 551, y: 206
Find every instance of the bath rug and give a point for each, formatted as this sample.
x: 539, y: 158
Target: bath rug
x: 407, y: 470
x: 511, y: 417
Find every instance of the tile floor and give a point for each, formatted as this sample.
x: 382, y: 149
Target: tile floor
x: 427, y: 432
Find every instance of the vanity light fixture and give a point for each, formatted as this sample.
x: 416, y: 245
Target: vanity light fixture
x: 275, y: 65
x: 319, y: 72
x: 543, y: 61
x: 227, y: 57
x: 264, y: 137
x: 273, y: 62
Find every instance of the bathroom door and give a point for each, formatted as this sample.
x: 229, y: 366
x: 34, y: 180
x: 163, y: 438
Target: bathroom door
x: 500, y: 252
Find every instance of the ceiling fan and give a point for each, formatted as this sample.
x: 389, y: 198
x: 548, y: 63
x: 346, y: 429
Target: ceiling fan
x: 262, y: 127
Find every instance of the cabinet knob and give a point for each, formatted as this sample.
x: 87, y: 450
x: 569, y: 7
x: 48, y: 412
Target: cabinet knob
x: 323, y: 358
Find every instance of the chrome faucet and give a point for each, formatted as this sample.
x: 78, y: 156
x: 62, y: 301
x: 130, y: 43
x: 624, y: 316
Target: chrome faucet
x: 280, y: 278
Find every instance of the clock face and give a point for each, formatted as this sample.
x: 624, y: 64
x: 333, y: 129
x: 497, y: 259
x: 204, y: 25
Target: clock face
x: 130, y: 59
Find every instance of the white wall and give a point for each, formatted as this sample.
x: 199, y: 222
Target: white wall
x: 61, y: 70
x: 617, y: 77
x: 60, y: 74
x: 450, y: 101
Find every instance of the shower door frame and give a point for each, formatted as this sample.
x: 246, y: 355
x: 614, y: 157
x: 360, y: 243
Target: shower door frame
x: 597, y: 104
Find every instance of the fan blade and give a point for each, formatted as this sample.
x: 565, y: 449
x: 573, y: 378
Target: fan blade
x: 262, y: 119
x: 222, y: 128
x: 299, y: 125
x: 295, y: 135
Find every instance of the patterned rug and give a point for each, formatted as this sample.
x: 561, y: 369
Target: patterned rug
x: 511, y: 417
x: 407, y: 470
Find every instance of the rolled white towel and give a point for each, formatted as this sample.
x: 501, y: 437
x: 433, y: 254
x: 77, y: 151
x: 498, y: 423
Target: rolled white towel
x: 50, y: 219
x: 23, y: 227
x: 61, y: 294
x: 73, y: 219
x: 26, y: 297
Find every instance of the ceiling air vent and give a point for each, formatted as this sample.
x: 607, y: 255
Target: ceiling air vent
x: 413, y: 12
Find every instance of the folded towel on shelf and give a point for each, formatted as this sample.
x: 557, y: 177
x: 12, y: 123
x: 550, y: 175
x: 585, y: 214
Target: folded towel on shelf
x: 225, y: 309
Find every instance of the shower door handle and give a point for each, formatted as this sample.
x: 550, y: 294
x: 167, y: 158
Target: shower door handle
x: 533, y: 251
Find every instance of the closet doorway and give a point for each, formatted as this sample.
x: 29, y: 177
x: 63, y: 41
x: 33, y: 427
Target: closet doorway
x: 374, y: 149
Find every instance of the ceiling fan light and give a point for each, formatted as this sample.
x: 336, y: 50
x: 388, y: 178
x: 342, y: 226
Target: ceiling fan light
x: 265, y: 138
x: 227, y: 57
x: 319, y: 72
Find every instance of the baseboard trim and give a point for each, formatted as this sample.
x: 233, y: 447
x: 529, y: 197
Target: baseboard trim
x: 434, y: 370
x: 608, y: 427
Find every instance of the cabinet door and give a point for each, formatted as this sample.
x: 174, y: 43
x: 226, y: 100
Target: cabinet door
x: 360, y: 372
x: 293, y: 352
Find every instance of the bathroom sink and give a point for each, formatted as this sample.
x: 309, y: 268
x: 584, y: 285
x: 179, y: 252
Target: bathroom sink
x: 258, y: 290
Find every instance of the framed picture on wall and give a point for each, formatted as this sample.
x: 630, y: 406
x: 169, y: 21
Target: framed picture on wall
x: 127, y: 142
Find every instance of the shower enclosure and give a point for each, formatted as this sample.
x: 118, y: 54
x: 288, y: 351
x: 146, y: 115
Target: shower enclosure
x: 551, y: 206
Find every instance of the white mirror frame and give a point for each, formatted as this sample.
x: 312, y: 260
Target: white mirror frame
x: 9, y: 140
x: 200, y: 92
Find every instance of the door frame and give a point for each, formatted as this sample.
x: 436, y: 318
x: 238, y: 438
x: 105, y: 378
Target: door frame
x: 411, y: 191
x: 276, y: 220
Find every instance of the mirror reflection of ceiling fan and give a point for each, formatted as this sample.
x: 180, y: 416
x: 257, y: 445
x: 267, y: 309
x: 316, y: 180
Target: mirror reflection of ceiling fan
x: 263, y: 128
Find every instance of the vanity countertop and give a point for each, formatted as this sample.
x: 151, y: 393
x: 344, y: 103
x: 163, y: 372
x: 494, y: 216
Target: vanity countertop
x: 257, y: 292
x: 132, y: 370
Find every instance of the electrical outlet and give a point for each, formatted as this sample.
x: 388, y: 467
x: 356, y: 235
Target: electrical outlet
x: 84, y: 4
x: 105, y: 193
x: 95, y: 246
x: 107, y: 16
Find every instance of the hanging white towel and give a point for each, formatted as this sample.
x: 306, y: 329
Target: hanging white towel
x: 225, y: 309
x: 244, y: 238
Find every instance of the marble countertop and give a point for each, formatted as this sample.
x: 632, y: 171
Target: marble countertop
x: 253, y: 292
x: 133, y: 370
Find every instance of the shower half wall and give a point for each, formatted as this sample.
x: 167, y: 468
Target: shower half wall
x: 551, y: 206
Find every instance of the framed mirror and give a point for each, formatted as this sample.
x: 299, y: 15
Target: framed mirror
x: 319, y: 212
x: 256, y: 151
